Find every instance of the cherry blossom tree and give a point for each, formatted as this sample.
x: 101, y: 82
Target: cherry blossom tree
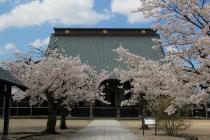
x: 155, y: 81
x: 181, y: 23
x: 59, y: 80
x: 184, y: 26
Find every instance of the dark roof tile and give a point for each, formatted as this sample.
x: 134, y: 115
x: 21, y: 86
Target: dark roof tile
x: 7, y: 78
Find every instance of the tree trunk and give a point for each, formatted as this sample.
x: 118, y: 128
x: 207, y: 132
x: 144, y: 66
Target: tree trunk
x: 63, y: 118
x: 51, y: 122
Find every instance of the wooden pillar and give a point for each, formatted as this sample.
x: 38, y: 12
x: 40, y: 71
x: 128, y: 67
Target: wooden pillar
x: 31, y: 111
x: 142, y: 125
x: 140, y: 111
x: 7, y: 109
x: 206, y: 110
x: 91, y: 109
x: 3, y: 105
x: 118, y: 112
x: 17, y: 109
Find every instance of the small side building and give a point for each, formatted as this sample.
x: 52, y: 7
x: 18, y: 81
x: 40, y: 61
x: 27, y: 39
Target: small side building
x: 7, y: 81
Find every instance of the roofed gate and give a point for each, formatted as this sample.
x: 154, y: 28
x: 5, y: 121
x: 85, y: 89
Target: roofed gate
x: 95, y: 47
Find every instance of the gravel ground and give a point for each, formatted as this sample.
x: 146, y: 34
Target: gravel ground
x: 199, y: 128
x: 29, y: 129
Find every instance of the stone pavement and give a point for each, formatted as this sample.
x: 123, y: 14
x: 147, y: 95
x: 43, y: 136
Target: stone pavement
x: 104, y: 130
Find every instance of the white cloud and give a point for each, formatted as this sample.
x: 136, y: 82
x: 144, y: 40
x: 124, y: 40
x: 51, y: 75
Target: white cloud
x: 16, y: 2
x: 126, y: 7
x: 9, y: 49
x: 40, y: 42
x: 2, y: 1
x: 171, y: 49
x: 38, y: 12
x: 17, y: 51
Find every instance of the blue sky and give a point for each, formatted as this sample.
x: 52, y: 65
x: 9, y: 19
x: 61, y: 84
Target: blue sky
x: 30, y: 22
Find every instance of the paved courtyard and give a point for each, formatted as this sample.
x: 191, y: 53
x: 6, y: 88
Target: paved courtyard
x: 104, y: 130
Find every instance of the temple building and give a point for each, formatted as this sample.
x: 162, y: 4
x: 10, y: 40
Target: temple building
x: 95, y: 47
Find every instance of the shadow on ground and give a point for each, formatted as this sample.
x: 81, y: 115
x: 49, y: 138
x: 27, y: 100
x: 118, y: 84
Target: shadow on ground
x: 31, y: 135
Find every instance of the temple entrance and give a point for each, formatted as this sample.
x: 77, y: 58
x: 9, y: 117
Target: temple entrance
x: 114, y: 94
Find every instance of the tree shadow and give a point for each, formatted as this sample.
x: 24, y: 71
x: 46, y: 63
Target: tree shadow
x: 28, y: 135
